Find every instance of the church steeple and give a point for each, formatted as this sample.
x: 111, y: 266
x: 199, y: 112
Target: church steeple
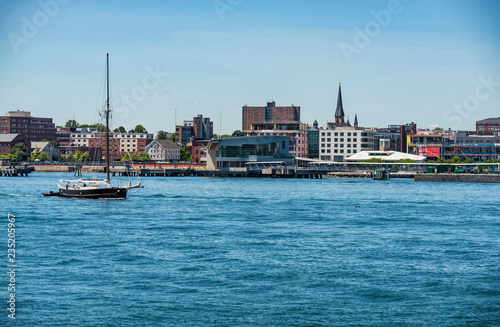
x: 355, y: 120
x: 339, y: 112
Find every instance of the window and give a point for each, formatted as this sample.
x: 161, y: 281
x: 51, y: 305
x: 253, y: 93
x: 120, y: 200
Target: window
x: 354, y: 134
x: 328, y: 139
x: 348, y: 140
x: 336, y: 134
x: 342, y: 134
x: 341, y: 151
x: 341, y: 140
x: 328, y: 151
x: 336, y: 139
x: 348, y: 134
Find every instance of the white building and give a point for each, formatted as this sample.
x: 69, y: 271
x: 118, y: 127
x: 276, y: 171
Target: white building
x: 164, y: 150
x: 338, y: 143
x: 387, y: 156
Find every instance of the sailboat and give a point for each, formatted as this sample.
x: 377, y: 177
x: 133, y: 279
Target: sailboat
x: 96, y: 188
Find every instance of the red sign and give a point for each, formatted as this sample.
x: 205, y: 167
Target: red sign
x: 429, y: 151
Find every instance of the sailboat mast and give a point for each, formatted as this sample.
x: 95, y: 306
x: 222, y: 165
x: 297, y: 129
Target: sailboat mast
x: 107, y: 117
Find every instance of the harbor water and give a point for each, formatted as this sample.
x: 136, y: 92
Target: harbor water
x: 197, y: 251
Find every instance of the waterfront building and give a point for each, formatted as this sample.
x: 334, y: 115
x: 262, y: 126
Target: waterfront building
x: 200, y: 127
x: 163, y: 150
x: 46, y: 147
x: 313, y: 141
x: 297, y: 132
x: 34, y: 128
x: 119, y: 143
x: 8, y: 140
x: 268, y: 114
x: 488, y: 126
x: 198, y: 150
x: 235, y: 152
x: 387, y: 156
x: 473, y: 145
x: 340, y: 142
x: 428, y: 145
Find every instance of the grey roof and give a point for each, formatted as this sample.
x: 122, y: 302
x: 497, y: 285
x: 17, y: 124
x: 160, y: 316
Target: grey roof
x: 40, y: 145
x: 339, y: 113
x: 167, y: 144
x: 489, y: 121
x: 7, y: 137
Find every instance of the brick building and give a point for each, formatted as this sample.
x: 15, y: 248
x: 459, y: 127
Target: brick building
x: 269, y: 114
x: 8, y: 140
x: 488, y: 126
x: 34, y: 128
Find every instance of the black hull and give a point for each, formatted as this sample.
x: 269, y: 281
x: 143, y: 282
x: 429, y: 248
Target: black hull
x: 97, y: 193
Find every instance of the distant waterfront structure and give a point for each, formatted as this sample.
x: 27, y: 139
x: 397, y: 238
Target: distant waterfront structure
x: 34, y: 128
x: 268, y: 114
x: 163, y: 150
x: 235, y: 152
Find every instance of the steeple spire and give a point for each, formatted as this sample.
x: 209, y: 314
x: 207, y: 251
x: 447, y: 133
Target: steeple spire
x: 339, y: 112
x: 355, y: 120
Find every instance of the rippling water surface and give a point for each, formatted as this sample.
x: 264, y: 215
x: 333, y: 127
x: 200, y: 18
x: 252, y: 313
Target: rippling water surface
x: 192, y: 251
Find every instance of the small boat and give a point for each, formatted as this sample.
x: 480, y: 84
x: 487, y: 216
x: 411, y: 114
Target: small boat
x: 96, y: 188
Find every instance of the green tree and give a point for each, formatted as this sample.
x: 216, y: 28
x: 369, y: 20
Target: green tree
x: 468, y: 160
x: 185, y: 153
x: 161, y: 135
x: 37, y: 154
x: 72, y: 123
x: 438, y: 129
x: 237, y: 133
x: 140, y: 129
x: 85, y: 156
x: 171, y: 137
x: 19, y: 152
x: 120, y: 129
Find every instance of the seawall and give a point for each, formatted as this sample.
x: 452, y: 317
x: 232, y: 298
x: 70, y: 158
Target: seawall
x: 468, y: 178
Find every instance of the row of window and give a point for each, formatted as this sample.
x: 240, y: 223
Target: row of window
x: 328, y: 145
x: 337, y: 151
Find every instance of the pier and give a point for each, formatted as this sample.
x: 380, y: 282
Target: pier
x: 14, y: 171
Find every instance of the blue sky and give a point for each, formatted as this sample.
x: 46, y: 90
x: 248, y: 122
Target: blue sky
x: 432, y: 62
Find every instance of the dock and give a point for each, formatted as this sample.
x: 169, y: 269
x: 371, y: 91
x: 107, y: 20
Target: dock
x: 14, y: 171
x: 228, y: 172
